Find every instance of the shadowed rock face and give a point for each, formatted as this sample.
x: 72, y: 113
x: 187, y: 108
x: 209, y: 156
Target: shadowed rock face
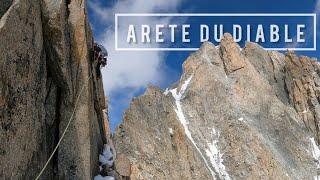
x: 237, y: 113
x: 44, y: 63
x: 4, y: 6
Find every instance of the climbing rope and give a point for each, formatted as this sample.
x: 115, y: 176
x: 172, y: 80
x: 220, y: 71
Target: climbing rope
x: 65, y: 130
x: 69, y: 122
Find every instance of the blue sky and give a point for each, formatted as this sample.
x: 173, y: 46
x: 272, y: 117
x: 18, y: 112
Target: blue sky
x: 128, y: 73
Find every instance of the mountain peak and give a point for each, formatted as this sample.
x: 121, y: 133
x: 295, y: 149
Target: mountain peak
x: 232, y: 111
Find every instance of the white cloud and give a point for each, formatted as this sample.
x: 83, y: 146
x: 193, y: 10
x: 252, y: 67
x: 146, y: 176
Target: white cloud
x: 317, y: 12
x: 309, y: 34
x: 317, y: 9
x: 128, y: 73
x: 130, y: 69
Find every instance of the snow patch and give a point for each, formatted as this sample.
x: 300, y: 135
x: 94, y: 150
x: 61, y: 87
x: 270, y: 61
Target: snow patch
x: 166, y: 91
x: 171, y: 131
x: 316, y: 156
x: 216, y: 157
x: 99, y: 177
x: 185, y: 85
x: 177, y: 96
x: 240, y: 119
x: 305, y: 111
x: 315, y: 151
x: 106, y: 157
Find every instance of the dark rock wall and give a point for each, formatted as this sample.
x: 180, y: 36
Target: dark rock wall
x: 44, y: 65
x: 4, y: 6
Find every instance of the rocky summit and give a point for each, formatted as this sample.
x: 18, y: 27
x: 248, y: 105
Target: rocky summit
x: 234, y: 114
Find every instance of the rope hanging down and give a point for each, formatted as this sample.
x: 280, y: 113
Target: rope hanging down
x: 65, y: 130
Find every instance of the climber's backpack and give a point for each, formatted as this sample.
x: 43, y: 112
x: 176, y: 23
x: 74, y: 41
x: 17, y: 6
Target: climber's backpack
x: 104, y: 61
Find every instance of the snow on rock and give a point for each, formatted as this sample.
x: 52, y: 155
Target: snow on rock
x: 107, y: 151
x: 316, y: 156
x: 240, y: 119
x: 166, y: 91
x: 177, y: 96
x: 315, y: 151
x: 185, y: 85
x: 216, y: 157
x: 99, y: 177
x: 171, y: 131
x: 106, y: 157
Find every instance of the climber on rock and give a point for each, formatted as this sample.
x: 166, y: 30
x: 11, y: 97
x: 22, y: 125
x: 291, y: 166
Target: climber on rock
x: 104, y: 59
x: 95, y: 52
x: 101, y: 53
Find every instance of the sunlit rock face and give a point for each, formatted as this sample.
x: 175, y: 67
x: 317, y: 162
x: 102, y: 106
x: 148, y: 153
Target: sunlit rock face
x: 44, y: 63
x: 234, y: 114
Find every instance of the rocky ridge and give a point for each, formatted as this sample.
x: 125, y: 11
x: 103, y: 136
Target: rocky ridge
x: 235, y: 114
